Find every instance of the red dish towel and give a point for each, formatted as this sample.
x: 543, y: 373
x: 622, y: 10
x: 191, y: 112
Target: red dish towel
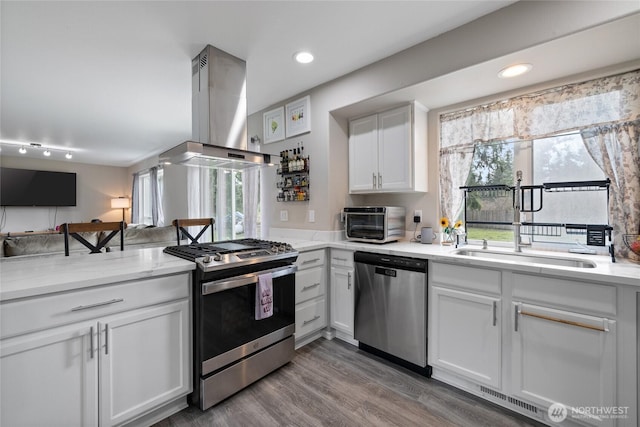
x: 264, y: 296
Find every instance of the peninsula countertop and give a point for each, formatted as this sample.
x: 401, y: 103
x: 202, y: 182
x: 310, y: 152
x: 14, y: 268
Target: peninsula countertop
x: 28, y: 276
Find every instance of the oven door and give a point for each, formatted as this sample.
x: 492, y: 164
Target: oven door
x: 228, y: 330
x: 365, y: 226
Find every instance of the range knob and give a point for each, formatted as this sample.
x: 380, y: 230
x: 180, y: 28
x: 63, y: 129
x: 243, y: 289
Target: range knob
x: 207, y: 259
x: 217, y: 257
x: 274, y: 249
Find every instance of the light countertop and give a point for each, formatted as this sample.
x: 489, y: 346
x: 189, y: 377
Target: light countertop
x: 22, y: 277
x: 622, y: 272
x: 35, y: 275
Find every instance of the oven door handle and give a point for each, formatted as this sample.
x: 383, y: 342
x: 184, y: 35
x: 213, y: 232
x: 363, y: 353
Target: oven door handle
x: 244, y: 280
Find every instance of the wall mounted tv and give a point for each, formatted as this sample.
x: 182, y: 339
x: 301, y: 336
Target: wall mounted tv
x: 24, y: 187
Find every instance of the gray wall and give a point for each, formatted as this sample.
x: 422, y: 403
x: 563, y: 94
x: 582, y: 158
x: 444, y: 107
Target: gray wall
x: 519, y: 26
x: 95, y: 187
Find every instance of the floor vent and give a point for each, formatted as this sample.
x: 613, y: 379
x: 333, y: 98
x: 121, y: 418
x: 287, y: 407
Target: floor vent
x: 493, y: 393
x: 531, y: 408
x: 523, y: 405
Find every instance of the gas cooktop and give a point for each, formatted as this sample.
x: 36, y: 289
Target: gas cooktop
x: 232, y: 253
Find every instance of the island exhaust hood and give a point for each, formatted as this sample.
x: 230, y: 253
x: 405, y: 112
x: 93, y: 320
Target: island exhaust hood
x: 219, y: 115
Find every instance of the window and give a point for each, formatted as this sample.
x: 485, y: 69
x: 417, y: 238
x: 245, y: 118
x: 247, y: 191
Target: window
x: 559, y: 158
x: 552, y: 131
x: 232, y: 197
x: 146, y: 206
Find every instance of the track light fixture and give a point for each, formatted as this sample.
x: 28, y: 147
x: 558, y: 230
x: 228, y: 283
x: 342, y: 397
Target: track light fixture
x: 49, y: 151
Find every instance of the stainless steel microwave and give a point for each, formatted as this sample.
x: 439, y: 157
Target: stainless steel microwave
x: 374, y: 224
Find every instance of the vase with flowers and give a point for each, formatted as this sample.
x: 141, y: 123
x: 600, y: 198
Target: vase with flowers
x: 449, y: 230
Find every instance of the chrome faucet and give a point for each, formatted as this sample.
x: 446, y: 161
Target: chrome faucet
x: 517, y: 239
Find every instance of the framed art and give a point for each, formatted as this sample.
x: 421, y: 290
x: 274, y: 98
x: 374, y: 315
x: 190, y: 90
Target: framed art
x: 298, y: 116
x: 273, y: 125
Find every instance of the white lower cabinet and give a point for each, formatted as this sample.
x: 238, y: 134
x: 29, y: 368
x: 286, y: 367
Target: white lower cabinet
x: 134, y: 348
x: 342, y: 293
x: 466, y: 336
x: 563, y: 357
x: 108, y: 369
x: 555, y: 342
x: 311, y: 308
x: 50, y: 378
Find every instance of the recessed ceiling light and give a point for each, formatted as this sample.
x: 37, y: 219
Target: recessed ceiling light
x: 514, y: 70
x: 303, y: 57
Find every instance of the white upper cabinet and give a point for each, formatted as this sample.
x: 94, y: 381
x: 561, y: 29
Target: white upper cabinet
x: 388, y: 151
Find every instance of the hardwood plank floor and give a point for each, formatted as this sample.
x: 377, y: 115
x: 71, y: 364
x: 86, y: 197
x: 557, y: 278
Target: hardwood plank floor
x: 331, y: 383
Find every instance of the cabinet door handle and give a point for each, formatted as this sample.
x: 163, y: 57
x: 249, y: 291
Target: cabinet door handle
x: 306, y: 322
x: 567, y: 322
x: 340, y: 259
x: 309, y: 261
x: 348, y: 280
x: 375, y: 185
x: 91, y: 341
x: 379, y: 180
x: 306, y: 288
x: 516, y: 311
x: 106, y: 338
x: 495, y: 309
x: 99, y: 304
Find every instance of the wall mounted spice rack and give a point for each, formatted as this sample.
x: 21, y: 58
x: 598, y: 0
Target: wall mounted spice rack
x: 532, y: 201
x: 293, y: 170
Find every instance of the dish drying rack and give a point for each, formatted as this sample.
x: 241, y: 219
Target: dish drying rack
x: 532, y: 201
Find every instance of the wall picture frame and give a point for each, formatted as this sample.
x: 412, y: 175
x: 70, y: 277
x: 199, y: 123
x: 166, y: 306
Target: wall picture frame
x: 298, y: 116
x: 273, y: 125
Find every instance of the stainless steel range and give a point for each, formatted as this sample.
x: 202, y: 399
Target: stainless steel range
x: 231, y: 348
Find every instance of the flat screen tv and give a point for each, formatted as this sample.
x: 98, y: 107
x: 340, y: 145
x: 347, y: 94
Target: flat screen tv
x: 24, y: 187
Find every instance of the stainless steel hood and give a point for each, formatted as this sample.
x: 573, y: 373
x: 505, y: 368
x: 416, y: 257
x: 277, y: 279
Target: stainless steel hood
x: 219, y: 115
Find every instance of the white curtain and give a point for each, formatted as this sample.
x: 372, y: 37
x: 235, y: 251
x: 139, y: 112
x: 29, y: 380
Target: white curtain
x: 250, y: 200
x: 577, y: 107
x: 157, y: 213
x: 616, y: 150
x: 135, y: 202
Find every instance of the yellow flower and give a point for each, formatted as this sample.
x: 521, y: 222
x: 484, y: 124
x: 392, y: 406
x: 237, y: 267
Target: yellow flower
x: 458, y: 224
x: 444, y: 222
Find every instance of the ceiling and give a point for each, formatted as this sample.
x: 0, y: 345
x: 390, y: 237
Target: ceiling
x: 111, y: 80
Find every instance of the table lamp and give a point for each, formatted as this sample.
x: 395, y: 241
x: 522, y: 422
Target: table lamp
x: 120, y: 203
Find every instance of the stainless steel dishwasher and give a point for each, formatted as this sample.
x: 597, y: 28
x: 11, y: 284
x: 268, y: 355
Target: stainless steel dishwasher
x: 391, y: 308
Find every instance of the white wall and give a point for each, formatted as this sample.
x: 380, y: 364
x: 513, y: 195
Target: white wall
x: 519, y: 26
x: 96, y: 186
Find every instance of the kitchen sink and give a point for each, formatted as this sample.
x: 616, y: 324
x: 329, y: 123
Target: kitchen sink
x: 526, y: 258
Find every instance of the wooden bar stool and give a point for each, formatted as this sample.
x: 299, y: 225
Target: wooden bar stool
x: 205, y: 223
x: 72, y: 229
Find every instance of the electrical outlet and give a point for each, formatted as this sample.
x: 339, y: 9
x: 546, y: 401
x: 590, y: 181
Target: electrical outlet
x: 417, y: 216
x: 284, y: 215
x: 312, y: 215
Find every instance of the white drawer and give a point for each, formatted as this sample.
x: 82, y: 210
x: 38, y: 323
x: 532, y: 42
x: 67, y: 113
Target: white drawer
x: 581, y: 297
x: 38, y: 313
x: 310, y: 259
x: 341, y: 257
x: 310, y: 316
x: 482, y: 280
x: 310, y: 284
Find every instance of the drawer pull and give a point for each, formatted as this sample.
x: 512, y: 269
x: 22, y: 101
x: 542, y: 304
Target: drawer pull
x: 99, y: 304
x: 106, y: 338
x: 340, y: 259
x: 306, y: 322
x: 91, y: 341
x: 495, y: 309
x: 566, y: 322
x: 306, y: 288
x: 309, y: 261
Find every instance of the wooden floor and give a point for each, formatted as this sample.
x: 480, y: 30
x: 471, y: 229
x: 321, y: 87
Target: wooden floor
x: 330, y: 383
